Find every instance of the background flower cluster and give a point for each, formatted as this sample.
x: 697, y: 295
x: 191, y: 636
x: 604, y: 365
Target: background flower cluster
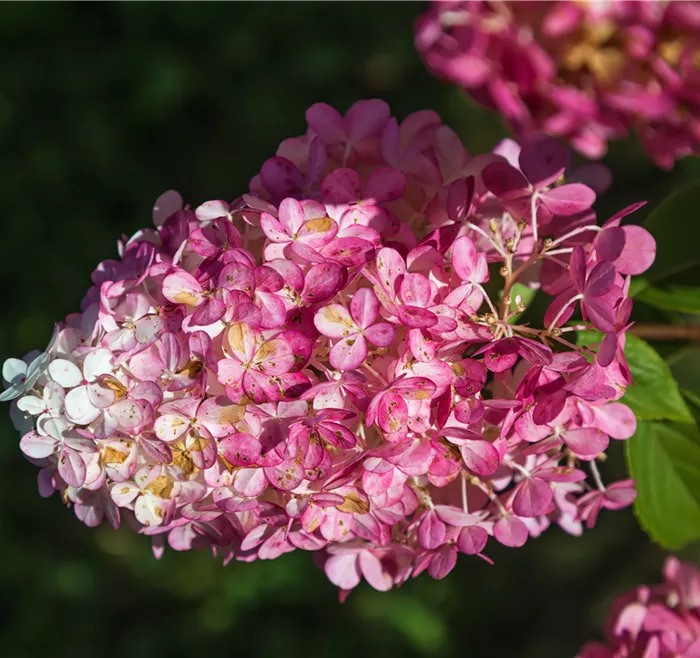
x: 588, y: 72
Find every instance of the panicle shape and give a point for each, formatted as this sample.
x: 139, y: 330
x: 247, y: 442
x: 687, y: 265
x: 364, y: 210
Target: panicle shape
x: 659, y: 621
x: 335, y: 363
x: 586, y: 72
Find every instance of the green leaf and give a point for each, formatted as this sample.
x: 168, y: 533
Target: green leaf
x: 528, y: 294
x: 654, y: 395
x: 664, y: 460
x: 674, y: 225
x: 684, y: 299
x: 685, y: 367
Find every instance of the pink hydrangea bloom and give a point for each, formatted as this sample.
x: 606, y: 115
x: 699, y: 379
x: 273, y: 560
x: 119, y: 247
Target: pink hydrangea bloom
x: 334, y: 362
x: 587, y: 72
x: 655, y: 621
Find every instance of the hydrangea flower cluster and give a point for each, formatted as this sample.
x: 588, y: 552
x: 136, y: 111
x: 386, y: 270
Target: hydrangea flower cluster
x: 658, y: 621
x: 336, y: 362
x: 586, y: 72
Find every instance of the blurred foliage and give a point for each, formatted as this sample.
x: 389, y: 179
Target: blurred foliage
x: 104, y: 106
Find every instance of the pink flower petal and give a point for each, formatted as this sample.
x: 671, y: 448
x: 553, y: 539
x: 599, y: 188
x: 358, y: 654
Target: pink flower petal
x: 568, y: 199
x: 182, y: 288
x: 533, y: 498
x: 586, y: 443
x: 510, y: 531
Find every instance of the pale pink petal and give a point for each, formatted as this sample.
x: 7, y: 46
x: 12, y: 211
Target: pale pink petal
x: 166, y: 204
x: 291, y: 216
x: 71, y: 467
x: 37, y: 446
x: 31, y: 404
x: 372, y: 570
x: 616, y: 420
x: 343, y: 571
x: 79, y: 409
x: 65, y: 373
x: 250, y: 482
x: 149, y: 510
x: 211, y: 210
x: 124, y: 493
x: 170, y: 427
x: 182, y: 288
x: 334, y: 321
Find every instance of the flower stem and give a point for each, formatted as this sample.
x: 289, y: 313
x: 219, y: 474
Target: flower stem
x: 666, y: 332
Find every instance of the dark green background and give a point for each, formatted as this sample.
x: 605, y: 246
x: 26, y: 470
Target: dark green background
x: 102, y: 108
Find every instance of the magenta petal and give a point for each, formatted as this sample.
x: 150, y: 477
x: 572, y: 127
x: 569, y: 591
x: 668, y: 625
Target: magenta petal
x: 322, y: 282
x: 607, y: 350
x: 349, y: 353
x: 600, y: 313
x: 480, y: 457
x: 443, y: 561
x: 281, y: 178
x: 208, y: 313
x: 505, y: 181
x: 533, y: 498
x: 380, y: 334
x: 326, y: 122
x: 534, y: 352
x: 385, y: 185
x: 543, y: 161
x: 501, y: 356
x: 568, y: 199
x: 366, y: 118
x: 639, y: 252
x: 342, y: 186
x: 459, y: 199
x: 414, y: 316
x: 560, y: 302
x: 431, y: 532
x: 472, y: 540
x: 600, y: 280
x: 610, y: 243
x: 364, y: 307
x: 510, y: 531
x: 577, y: 267
x: 586, y: 443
